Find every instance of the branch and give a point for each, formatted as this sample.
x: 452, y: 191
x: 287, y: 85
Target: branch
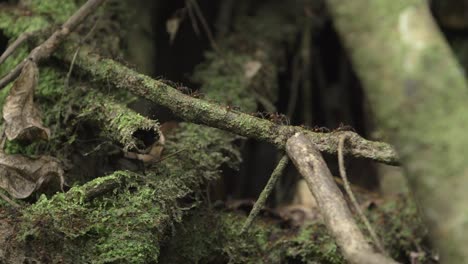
x: 204, y: 112
x: 11, y: 48
x: 354, y: 201
x: 260, y: 203
x: 331, y: 202
x: 50, y: 45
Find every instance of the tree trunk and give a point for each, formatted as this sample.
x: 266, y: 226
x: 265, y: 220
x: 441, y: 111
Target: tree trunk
x: 419, y: 95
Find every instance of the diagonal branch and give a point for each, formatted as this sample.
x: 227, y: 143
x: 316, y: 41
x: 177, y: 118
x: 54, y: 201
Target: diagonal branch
x: 45, y: 49
x: 211, y: 114
x: 331, y: 202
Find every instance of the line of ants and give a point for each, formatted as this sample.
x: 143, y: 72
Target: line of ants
x: 277, y: 118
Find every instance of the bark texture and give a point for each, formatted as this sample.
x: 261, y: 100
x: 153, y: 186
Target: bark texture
x: 418, y: 93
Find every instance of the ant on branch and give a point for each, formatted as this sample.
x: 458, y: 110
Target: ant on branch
x: 343, y: 127
x: 276, y: 118
x: 232, y: 108
x: 316, y: 129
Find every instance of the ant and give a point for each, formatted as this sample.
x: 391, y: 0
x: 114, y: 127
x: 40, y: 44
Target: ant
x: 232, y: 108
x: 343, y: 127
x: 278, y: 119
x: 321, y: 129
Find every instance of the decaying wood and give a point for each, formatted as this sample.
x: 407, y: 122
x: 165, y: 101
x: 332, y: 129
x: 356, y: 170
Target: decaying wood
x: 338, y: 218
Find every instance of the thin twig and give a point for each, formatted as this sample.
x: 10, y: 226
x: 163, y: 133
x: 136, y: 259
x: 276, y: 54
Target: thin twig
x: 70, y: 69
x: 354, y: 201
x: 260, y: 203
x: 50, y: 45
x: 224, y: 17
x: 296, y: 76
x: 192, y: 17
x: 8, y: 200
x: 205, y: 25
x: 306, y: 80
x: 22, y: 38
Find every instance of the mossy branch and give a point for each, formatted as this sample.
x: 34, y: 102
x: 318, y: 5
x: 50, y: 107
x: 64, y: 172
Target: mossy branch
x: 44, y: 50
x: 208, y: 113
x: 132, y: 130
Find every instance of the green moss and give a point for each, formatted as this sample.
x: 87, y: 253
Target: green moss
x: 13, y: 23
x: 59, y: 10
x: 117, y: 121
x: 396, y: 220
x: 119, y: 226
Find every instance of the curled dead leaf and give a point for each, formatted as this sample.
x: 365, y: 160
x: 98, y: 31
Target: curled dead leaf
x: 152, y: 154
x: 172, y: 26
x: 20, y: 176
x: 22, y: 117
x: 251, y: 68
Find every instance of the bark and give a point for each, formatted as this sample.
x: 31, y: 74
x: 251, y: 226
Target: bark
x: 418, y: 93
x: 331, y: 202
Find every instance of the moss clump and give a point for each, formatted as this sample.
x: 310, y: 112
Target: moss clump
x: 399, y: 226
x: 59, y: 10
x: 313, y: 242
x: 195, y: 241
x: 121, y: 225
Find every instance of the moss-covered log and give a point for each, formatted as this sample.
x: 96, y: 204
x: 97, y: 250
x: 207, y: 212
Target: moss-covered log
x: 132, y: 130
x: 106, y: 222
x: 419, y: 96
x: 201, y: 111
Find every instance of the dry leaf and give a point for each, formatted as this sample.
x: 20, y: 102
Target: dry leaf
x: 21, y: 115
x: 152, y: 154
x: 251, y: 68
x: 20, y: 176
x: 172, y: 26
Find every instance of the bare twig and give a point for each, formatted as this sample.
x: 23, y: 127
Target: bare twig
x: 192, y: 17
x: 260, y: 203
x: 337, y: 216
x: 204, y: 23
x: 50, y: 45
x: 22, y: 38
x: 354, y: 201
x: 306, y: 80
x: 296, y: 76
x: 8, y: 200
x: 224, y: 17
x: 70, y: 69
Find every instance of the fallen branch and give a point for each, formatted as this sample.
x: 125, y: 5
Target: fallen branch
x: 120, y: 123
x: 45, y: 49
x: 201, y: 111
x: 338, y: 218
x: 11, y: 48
